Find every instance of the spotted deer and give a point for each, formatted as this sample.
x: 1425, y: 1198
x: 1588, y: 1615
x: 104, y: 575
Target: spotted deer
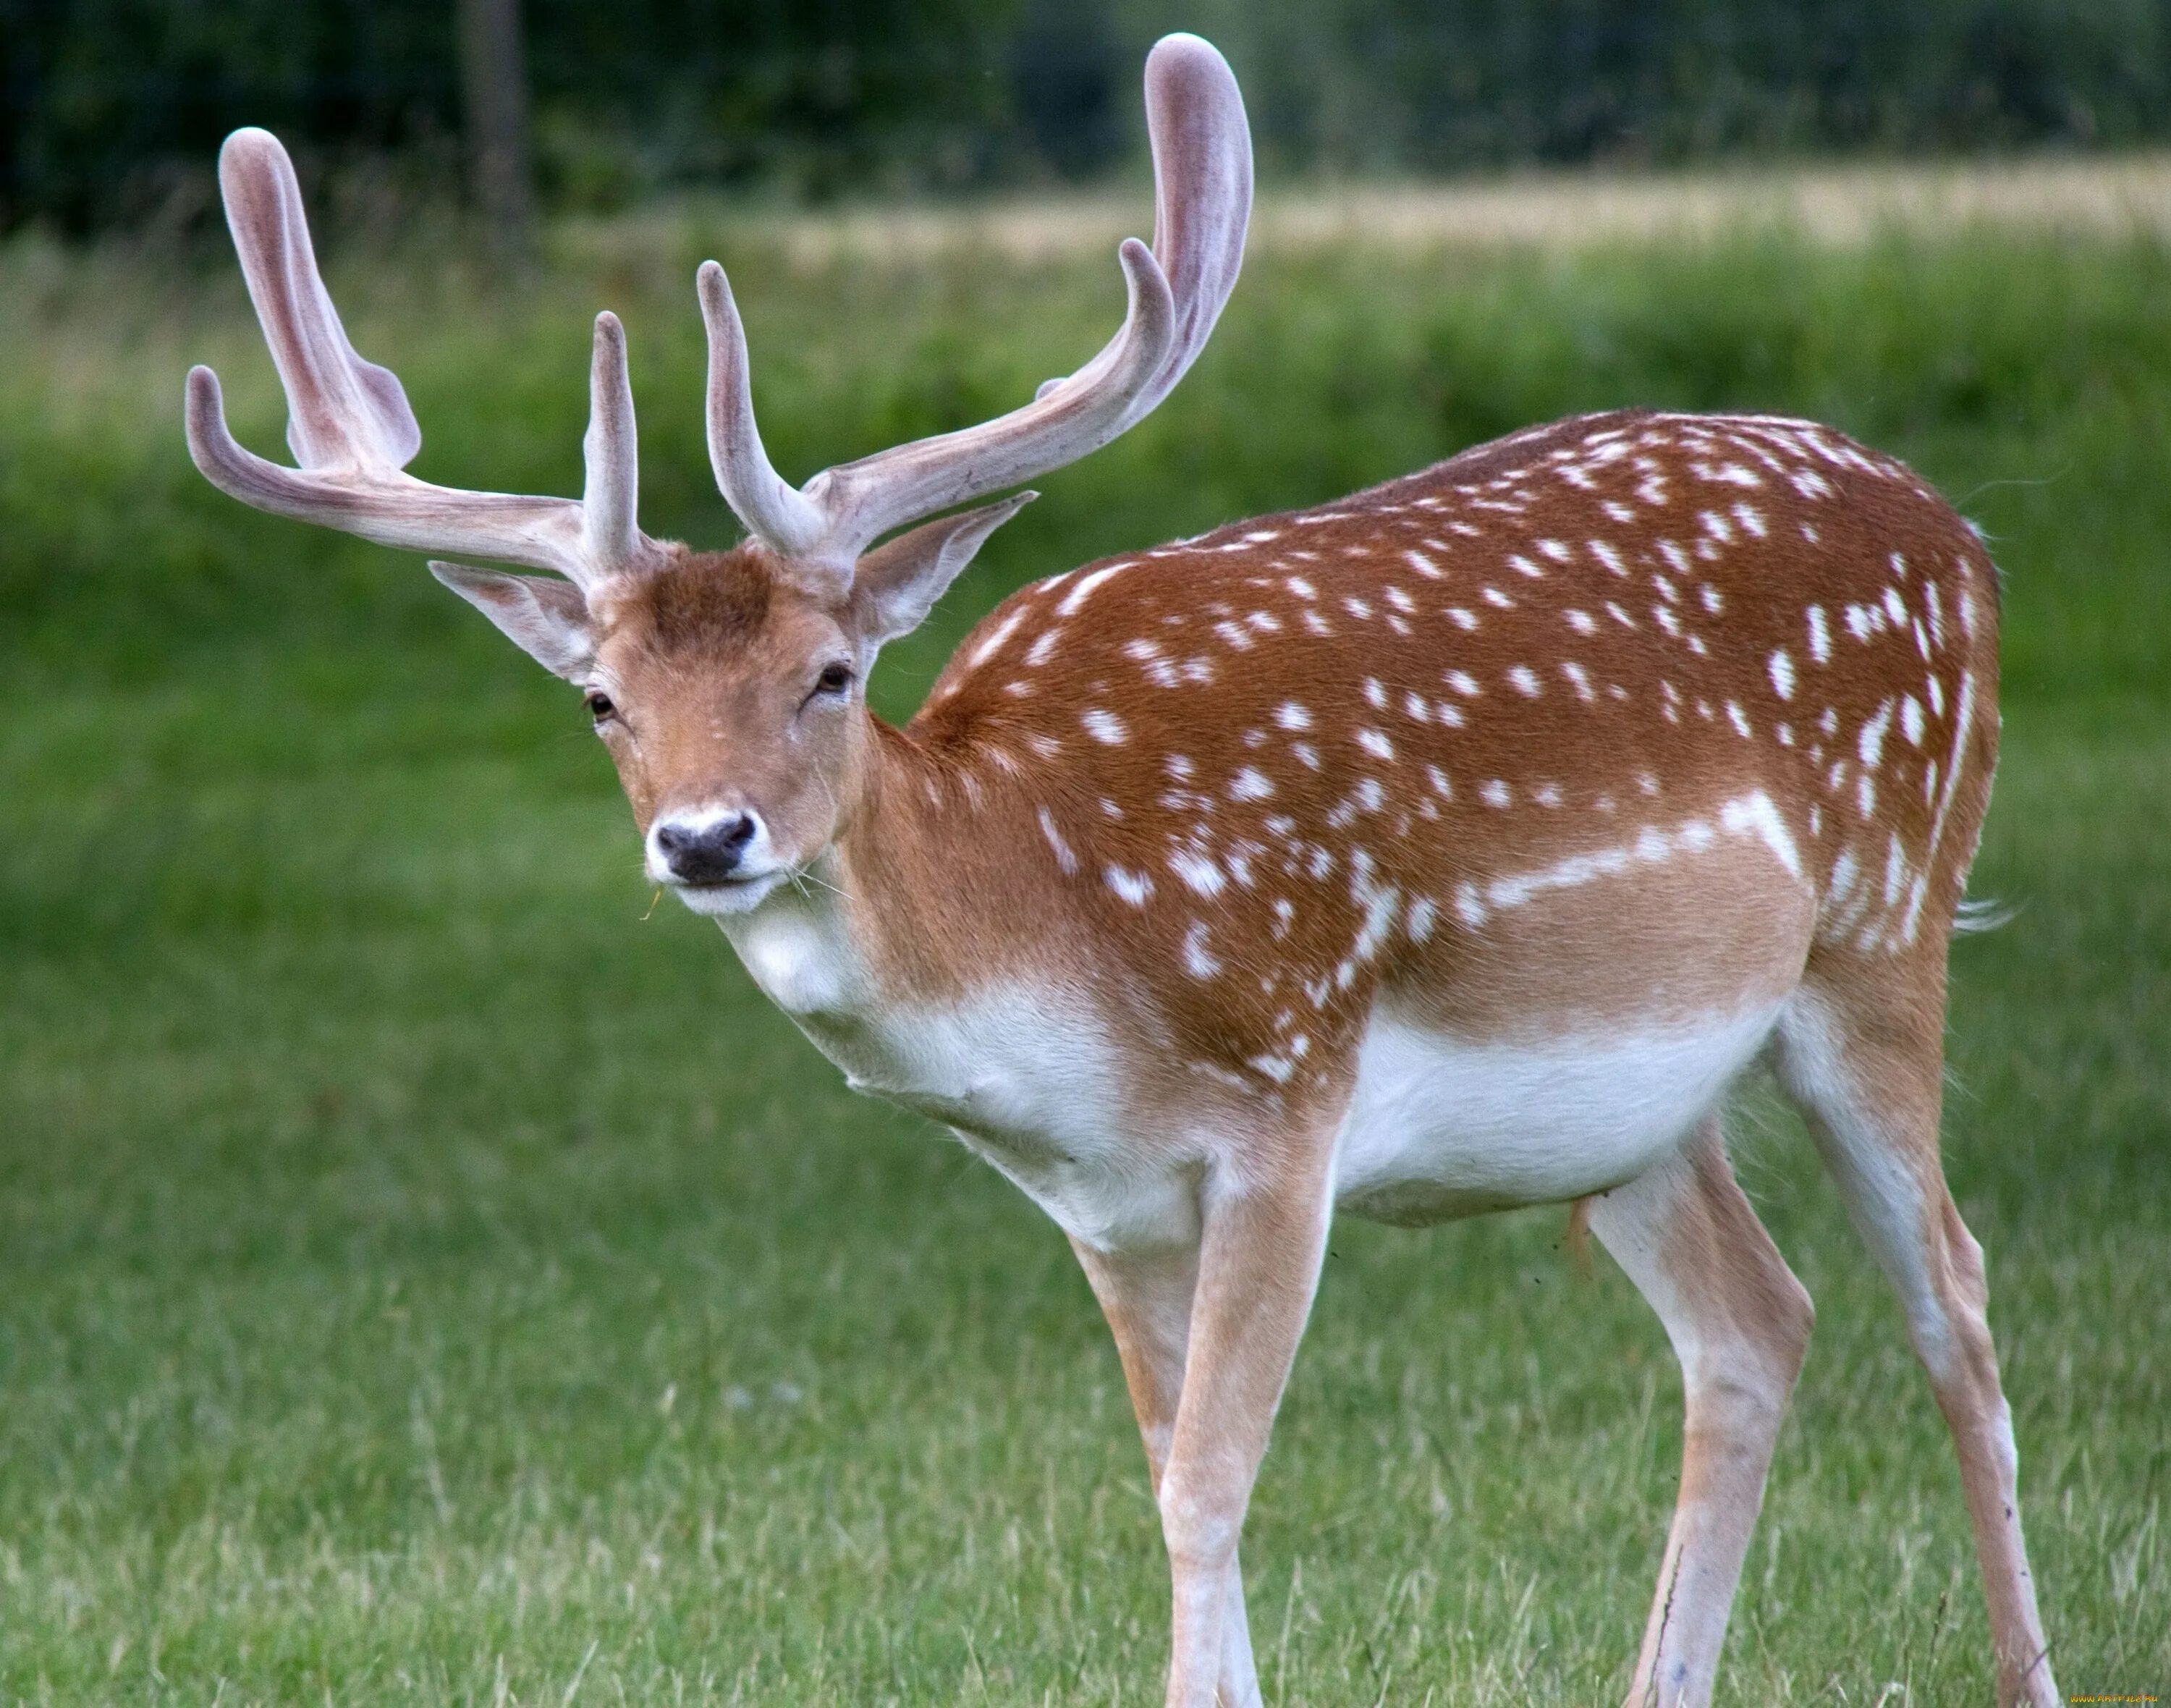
x: 1451, y: 848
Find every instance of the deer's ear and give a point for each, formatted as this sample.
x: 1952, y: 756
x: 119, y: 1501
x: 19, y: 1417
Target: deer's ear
x: 546, y: 618
x: 896, y: 583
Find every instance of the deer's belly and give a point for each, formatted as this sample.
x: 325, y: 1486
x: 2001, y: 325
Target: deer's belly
x: 1440, y: 1126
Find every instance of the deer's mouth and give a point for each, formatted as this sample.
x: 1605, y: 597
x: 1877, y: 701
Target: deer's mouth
x: 741, y: 892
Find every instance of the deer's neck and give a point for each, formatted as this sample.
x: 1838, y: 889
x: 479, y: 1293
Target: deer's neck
x: 904, y: 912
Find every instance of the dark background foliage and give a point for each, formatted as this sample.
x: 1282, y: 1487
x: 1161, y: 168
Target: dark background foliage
x: 111, y: 109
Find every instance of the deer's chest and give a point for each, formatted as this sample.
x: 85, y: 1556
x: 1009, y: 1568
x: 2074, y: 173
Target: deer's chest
x: 1026, y: 1076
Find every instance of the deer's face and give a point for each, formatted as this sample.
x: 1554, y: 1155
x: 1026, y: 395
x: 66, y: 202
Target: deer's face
x: 729, y: 688
x: 730, y: 696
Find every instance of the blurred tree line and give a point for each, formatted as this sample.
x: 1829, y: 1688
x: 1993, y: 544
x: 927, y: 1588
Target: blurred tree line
x: 111, y: 110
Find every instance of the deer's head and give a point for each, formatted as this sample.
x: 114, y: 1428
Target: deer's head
x: 728, y: 686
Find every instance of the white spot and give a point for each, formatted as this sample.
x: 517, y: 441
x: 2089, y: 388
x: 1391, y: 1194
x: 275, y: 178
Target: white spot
x: 1079, y: 595
x: 1105, y: 727
x: 1739, y: 719
x: 1064, y: 857
x: 993, y: 644
x: 1895, y: 871
x: 1250, y: 784
x: 1495, y: 793
x: 1134, y: 887
x: 1782, y: 673
x: 1819, y: 635
x: 1524, y: 680
x: 1911, y: 720
x: 1291, y: 716
x: 1871, y: 744
x: 1423, y: 916
x: 1845, y: 870
x: 1460, y: 618
x: 1422, y: 564
x: 1463, y: 683
x: 1755, y: 815
x: 1197, y: 961
x: 1581, y: 621
x: 1301, y: 587
x: 1200, y: 873
x: 1374, y: 694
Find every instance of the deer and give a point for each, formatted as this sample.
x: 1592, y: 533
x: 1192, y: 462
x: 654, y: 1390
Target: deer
x: 1452, y: 847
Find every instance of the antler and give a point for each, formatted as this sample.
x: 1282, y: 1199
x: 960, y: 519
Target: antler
x: 1203, y: 199
x: 352, y: 432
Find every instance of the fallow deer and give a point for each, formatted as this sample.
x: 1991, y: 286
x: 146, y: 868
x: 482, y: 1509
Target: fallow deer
x: 1450, y: 847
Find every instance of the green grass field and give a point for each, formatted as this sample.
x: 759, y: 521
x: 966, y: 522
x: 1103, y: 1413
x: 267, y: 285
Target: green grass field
x: 425, y: 1278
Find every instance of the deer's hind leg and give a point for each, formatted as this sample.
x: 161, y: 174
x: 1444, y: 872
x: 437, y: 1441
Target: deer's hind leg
x: 1863, y: 1054
x: 1740, y: 1323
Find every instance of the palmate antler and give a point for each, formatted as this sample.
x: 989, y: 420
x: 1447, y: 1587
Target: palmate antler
x: 352, y: 432
x: 1202, y: 201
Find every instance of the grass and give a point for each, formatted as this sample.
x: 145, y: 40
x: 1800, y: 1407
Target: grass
x: 424, y: 1280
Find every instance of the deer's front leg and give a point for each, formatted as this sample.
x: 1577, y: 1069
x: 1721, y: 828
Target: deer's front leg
x: 1147, y: 1298
x: 1262, y: 1239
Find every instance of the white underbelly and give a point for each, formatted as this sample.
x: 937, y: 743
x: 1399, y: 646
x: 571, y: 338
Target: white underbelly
x: 1440, y: 1126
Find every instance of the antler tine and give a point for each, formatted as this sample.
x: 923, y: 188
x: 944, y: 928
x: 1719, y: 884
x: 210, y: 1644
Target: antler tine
x: 1202, y: 151
x: 352, y: 432
x: 342, y: 412
x: 610, y: 539
x: 1202, y: 178
x: 772, y: 509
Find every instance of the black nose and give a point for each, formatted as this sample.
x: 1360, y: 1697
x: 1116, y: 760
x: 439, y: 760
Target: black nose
x: 705, y: 853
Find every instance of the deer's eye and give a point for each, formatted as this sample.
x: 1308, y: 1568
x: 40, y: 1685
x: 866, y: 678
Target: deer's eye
x: 600, y: 708
x: 835, y: 678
